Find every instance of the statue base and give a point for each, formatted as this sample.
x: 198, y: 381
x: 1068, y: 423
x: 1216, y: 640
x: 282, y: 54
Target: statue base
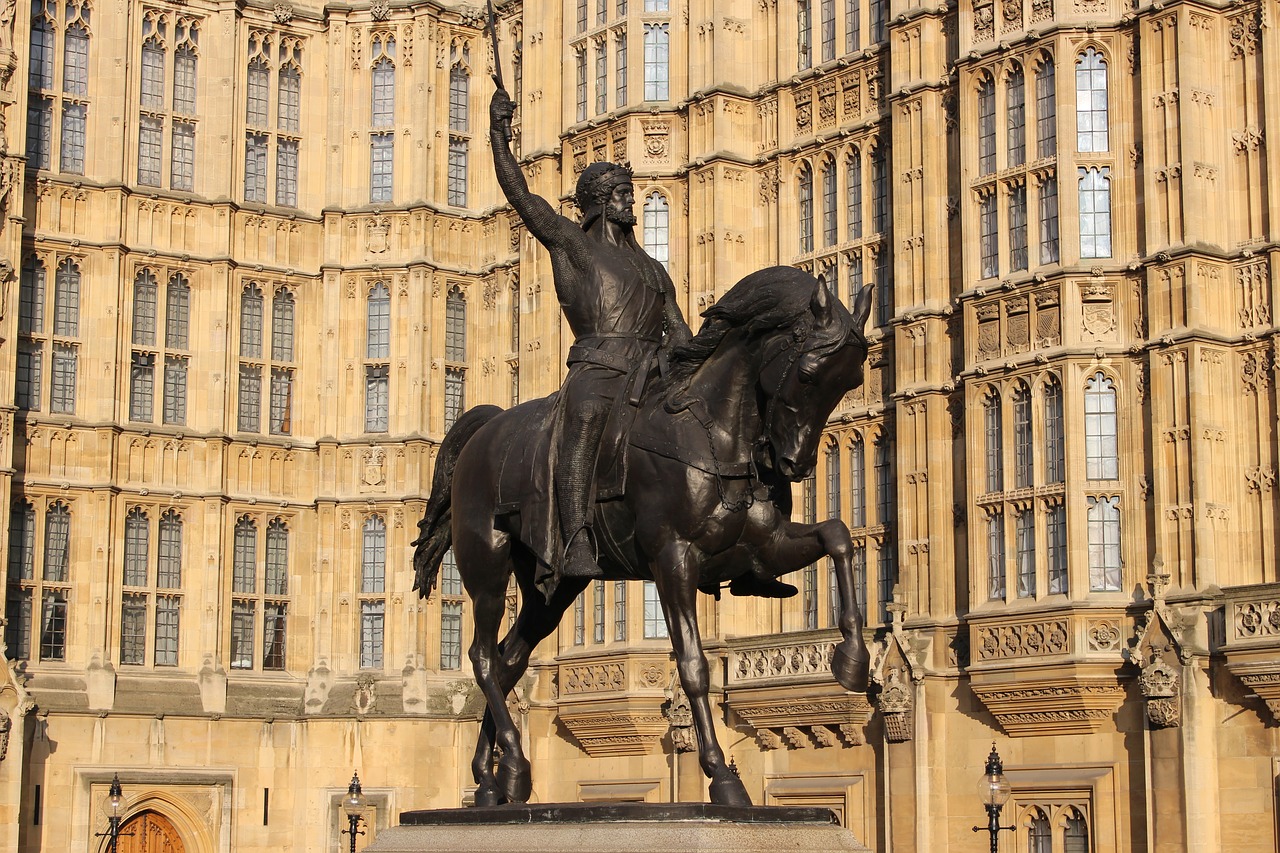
x: 618, y: 828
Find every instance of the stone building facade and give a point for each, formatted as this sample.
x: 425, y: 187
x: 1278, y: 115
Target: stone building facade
x: 272, y: 233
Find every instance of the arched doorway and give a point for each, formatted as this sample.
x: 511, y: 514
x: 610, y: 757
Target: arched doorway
x: 151, y: 833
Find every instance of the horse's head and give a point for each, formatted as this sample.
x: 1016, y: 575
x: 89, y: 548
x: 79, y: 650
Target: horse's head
x: 805, y: 371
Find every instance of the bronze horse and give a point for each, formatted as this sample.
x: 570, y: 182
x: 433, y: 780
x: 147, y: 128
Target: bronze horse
x: 707, y: 499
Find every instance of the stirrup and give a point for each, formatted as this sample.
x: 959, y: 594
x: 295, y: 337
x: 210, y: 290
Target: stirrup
x: 591, y: 571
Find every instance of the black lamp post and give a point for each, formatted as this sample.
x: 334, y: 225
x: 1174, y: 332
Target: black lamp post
x: 994, y: 792
x: 353, y: 804
x: 115, y: 807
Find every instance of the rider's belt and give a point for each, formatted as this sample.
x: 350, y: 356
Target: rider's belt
x: 591, y: 355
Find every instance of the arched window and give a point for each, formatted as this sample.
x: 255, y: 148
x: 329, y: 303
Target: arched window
x: 282, y: 311
x: 66, y: 299
x: 1024, y: 535
x: 1054, y: 439
x: 277, y: 573
x: 833, y: 481
x: 450, y: 613
x: 809, y: 499
x: 1056, y: 535
x: 136, y: 545
x: 373, y: 565
x: 995, y: 556
x: 1075, y: 838
x: 657, y: 39
x: 1104, y: 544
x: 1091, y: 102
x: 857, y: 482
x: 251, y: 322
x: 1046, y: 110
x: 1101, y: 458
x: 657, y: 228
x: 1018, y: 227
x: 1039, y: 836
x: 514, y: 299
x: 805, y: 198
x: 22, y: 542
x: 1023, y: 454
x: 31, y: 297
x: 988, y: 236
x: 169, y: 564
x: 145, y: 296
x: 1095, y: 212
x: 40, y: 67
x: 986, y: 126
x: 244, y: 558
x: 455, y: 326
x: 382, y: 118
x: 177, y: 313
x: 994, y: 432
x: 1016, y: 117
x: 289, y: 80
x: 459, y: 96
x: 829, y: 204
x: 853, y: 168
x: 378, y: 322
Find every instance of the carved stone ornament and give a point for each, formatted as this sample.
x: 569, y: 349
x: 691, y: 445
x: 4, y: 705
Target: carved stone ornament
x: 374, y: 461
x: 679, y: 714
x: 365, y: 698
x: 984, y: 20
x: 380, y: 10
x: 1164, y: 713
x: 896, y: 706
x: 1158, y: 680
x: 5, y: 725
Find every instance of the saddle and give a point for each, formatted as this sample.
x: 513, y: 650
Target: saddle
x: 526, y: 479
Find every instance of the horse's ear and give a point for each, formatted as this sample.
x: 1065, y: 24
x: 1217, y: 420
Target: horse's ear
x: 862, y: 307
x: 820, y: 304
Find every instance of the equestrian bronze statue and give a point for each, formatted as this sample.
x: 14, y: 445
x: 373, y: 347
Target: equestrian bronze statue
x: 664, y: 457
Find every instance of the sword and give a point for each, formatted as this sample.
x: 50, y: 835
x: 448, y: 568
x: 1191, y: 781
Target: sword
x: 497, y: 62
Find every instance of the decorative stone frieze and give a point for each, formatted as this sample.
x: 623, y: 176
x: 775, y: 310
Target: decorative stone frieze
x: 615, y: 706
x: 1068, y: 705
x: 609, y: 731
x: 1023, y: 640
x: 1252, y: 641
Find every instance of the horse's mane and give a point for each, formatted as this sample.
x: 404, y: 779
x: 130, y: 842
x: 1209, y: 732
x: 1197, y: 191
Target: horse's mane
x: 764, y: 301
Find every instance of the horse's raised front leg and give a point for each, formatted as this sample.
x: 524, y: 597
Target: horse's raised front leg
x: 676, y: 574
x: 795, y: 545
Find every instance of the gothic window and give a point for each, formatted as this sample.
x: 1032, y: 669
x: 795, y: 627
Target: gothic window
x: 994, y: 433
x: 282, y: 310
x: 57, y: 538
x: 175, y: 116
x: 809, y: 499
x: 655, y: 625
x: 995, y: 556
x: 581, y: 86
x: 23, y: 587
x: 657, y: 5
x: 455, y: 395
x: 280, y: 413
x: 657, y: 228
x: 854, y: 190
x: 40, y: 67
x: 859, y: 560
x: 66, y: 300
x: 262, y: 603
x: 141, y: 598
x: 1075, y: 837
x: 71, y: 154
x: 580, y: 619
x: 805, y: 199
x: 175, y: 390
x: 582, y: 16
x: 809, y: 599
x: 457, y: 174
x: 1054, y: 439
x: 288, y: 122
x: 1056, y: 540
x: 1104, y: 544
x: 602, y: 11
x: 1039, y: 837
x: 1095, y: 212
x: 459, y: 95
x: 513, y: 298
x: 258, y: 88
x: 853, y: 260
x: 829, y: 217
x: 986, y: 126
x: 378, y: 323
x: 142, y: 373
x: 1091, y: 102
x: 852, y: 26
x: 1049, y: 220
x: 620, y: 611
x: 833, y: 481
x: 602, y: 76
x: 251, y: 322
x: 450, y: 613
x: 857, y: 482
x: 657, y: 39
x: 145, y: 295
x: 884, y: 286
x: 29, y: 376
x: 597, y: 611
x: 804, y: 37
x: 1016, y: 117
x: 1023, y: 463
x: 879, y: 192
x: 879, y: 13
x: 37, y: 602
x: 62, y: 391
x: 455, y: 326
x: 31, y: 296
x: 373, y: 570
x: 177, y: 312
x: 988, y: 237
x: 620, y: 70
x: 1024, y: 530
x: 249, y: 400
x: 136, y: 544
x: 1046, y: 110
x: 1018, y: 227
x: 382, y: 119
x: 1102, y: 461
x: 376, y: 398
x: 255, y: 167
x: 828, y: 30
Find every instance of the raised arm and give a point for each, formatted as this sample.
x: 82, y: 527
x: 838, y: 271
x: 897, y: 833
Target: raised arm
x: 540, y: 218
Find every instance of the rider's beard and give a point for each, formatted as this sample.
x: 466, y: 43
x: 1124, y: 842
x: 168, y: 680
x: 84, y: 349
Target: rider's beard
x: 620, y: 215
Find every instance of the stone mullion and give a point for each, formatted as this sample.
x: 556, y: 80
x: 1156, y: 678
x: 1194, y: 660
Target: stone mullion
x: 1171, y: 442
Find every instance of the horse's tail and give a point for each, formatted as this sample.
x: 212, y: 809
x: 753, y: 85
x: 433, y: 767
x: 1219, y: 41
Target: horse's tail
x: 435, y: 530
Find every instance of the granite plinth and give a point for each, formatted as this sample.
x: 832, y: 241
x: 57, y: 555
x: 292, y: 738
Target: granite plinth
x: 618, y: 828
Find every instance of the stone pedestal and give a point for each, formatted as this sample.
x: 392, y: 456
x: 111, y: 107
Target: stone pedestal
x: 618, y: 828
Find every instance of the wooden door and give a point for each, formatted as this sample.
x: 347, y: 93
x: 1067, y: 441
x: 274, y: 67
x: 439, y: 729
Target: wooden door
x: 151, y: 833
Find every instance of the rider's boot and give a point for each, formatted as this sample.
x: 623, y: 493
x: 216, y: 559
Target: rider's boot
x: 761, y: 585
x: 575, y: 471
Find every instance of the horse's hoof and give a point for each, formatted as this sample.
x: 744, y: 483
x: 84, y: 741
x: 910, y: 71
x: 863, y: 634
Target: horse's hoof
x: 488, y: 795
x: 728, y: 790
x: 850, y: 665
x: 515, y: 779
